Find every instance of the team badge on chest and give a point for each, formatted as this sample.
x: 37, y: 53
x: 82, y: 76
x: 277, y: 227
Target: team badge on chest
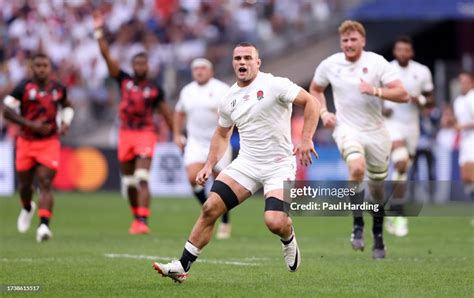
x: 259, y: 94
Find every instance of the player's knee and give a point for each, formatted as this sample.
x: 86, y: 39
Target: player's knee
x: 44, y: 183
x: 141, y: 176
x: 277, y: 222
x: 357, y: 171
x: 211, y: 210
x: 276, y: 215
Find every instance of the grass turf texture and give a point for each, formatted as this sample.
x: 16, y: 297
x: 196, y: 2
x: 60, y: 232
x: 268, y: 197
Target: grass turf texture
x: 436, y: 259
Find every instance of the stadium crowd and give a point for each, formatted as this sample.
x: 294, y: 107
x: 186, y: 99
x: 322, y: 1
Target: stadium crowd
x: 173, y: 32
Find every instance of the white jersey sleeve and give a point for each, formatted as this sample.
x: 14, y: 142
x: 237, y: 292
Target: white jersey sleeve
x: 320, y: 75
x: 180, y: 104
x: 388, y: 73
x: 427, y: 83
x: 225, y: 119
x: 285, y: 90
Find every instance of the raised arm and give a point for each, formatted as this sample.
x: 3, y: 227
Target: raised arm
x: 112, y: 65
x: 219, y: 143
x: 329, y: 119
x: 311, y: 109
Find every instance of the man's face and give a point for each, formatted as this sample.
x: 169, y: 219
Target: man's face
x: 41, y: 68
x: 246, y: 64
x: 201, y: 74
x: 403, y: 52
x: 465, y: 82
x: 352, y: 44
x: 140, y: 67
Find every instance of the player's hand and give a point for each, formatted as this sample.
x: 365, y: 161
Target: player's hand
x: 329, y: 120
x: 387, y: 112
x: 63, y: 129
x: 98, y: 19
x: 203, y: 175
x: 41, y: 127
x: 180, y: 141
x: 365, y: 88
x: 303, y: 151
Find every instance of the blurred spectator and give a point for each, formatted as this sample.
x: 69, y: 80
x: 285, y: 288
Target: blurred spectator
x: 173, y: 32
x: 424, y: 157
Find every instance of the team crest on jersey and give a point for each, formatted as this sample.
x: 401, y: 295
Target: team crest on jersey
x: 365, y: 70
x: 32, y: 94
x: 259, y: 94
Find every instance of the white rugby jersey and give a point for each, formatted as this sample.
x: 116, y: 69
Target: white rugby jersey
x: 262, y: 113
x: 464, y: 112
x: 416, y: 78
x: 200, y: 103
x: 359, y: 111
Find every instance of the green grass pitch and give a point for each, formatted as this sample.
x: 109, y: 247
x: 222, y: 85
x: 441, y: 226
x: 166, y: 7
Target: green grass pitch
x: 92, y: 254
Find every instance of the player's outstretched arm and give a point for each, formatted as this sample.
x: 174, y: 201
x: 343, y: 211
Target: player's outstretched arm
x: 311, y: 108
x: 329, y: 119
x: 10, y: 105
x: 393, y: 91
x: 219, y: 143
x: 112, y: 65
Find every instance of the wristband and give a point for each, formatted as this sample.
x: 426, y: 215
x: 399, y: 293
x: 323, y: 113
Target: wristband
x: 98, y: 33
x: 322, y: 112
x: 67, y: 114
x: 422, y: 99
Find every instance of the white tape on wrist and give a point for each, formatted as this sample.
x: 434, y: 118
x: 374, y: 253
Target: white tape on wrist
x: 11, y: 102
x: 98, y: 33
x: 67, y: 114
x: 422, y: 99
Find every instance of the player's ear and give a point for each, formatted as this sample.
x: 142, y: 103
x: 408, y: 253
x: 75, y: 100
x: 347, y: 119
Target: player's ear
x: 259, y: 62
x: 363, y: 41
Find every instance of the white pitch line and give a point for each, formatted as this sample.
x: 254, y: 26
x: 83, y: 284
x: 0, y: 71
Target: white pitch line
x: 154, y: 258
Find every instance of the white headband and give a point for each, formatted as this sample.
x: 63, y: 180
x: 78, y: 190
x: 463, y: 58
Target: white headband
x: 198, y: 62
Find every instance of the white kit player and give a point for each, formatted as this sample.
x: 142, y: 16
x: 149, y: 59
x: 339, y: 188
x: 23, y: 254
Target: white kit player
x: 260, y: 106
x: 360, y: 80
x: 197, y: 107
x: 464, y: 112
x: 402, y: 121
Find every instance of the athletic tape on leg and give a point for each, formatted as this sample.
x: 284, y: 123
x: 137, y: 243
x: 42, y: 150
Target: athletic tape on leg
x: 226, y: 193
x: 275, y: 204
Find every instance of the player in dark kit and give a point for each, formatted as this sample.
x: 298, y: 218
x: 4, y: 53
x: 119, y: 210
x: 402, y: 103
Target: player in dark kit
x: 38, y: 147
x: 141, y: 97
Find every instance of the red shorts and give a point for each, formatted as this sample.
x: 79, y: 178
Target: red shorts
x: 32, y: 152
x: 136, y: 143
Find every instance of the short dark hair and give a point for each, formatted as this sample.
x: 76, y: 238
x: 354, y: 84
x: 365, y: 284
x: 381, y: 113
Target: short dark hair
x: 140, y: 55
x: 246, y: 44
x: 40, y: 55
x: 404, y: 39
